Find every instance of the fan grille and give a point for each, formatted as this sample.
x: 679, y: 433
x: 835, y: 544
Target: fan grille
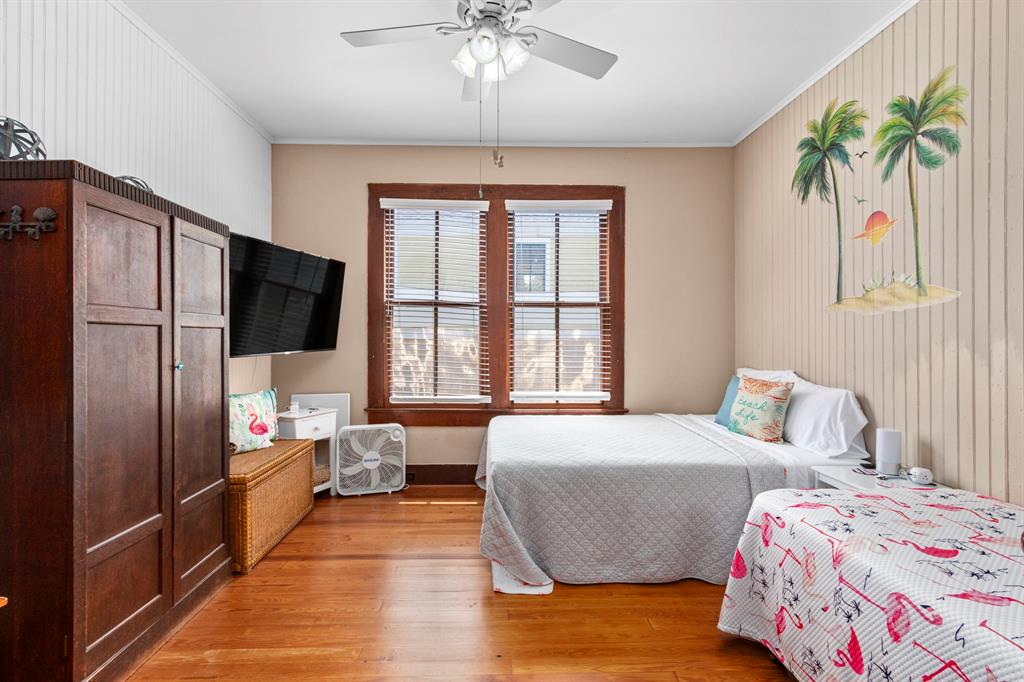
x: 371, y: 459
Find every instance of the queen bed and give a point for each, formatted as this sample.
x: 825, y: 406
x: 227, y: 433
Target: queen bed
x: 906, y: 585
x: 629, y: 498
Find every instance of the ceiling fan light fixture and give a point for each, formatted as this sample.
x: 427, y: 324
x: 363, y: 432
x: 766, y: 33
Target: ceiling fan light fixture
x: 484, y: 45
x: 496, y: 45
x: 513, y: 56
x: 464, y: 62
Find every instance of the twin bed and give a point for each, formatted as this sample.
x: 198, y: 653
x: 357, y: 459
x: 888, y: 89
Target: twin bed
x: 910, y: 585
x: 836, y: 584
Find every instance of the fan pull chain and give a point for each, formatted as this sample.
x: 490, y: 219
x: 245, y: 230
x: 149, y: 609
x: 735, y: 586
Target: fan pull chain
x: 480, y: 124
x: 497, y: 157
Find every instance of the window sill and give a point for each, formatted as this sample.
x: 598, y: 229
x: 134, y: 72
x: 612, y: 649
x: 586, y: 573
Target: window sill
x: 472, y: 416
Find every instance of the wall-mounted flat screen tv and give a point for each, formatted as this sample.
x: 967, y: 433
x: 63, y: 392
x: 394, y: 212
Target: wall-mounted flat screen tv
x: 282, y: 300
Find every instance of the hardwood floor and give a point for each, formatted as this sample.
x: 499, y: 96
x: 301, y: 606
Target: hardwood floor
x: 392, y: 587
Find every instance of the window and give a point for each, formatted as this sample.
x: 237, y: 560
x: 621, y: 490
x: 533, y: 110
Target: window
x: 560, y: 342
x: 436, y: 301
x: 531, y: 266
x: 507, y: 304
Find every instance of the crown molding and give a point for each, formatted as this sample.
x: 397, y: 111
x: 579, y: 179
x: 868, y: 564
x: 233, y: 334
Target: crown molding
x: 473, y: 143
x: 158, y: 40
x: 885, y: 21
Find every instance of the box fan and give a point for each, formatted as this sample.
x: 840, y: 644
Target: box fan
x: 371, y: 459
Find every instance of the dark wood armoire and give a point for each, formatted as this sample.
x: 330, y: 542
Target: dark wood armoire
x: 113, y: 420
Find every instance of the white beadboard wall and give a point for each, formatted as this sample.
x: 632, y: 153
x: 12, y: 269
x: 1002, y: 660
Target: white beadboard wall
x: 951, y: 376
x: 103, y: 88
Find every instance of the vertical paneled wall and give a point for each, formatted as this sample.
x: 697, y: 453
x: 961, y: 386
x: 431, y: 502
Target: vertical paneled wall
x: 949, y: 375
x: 100, y: 87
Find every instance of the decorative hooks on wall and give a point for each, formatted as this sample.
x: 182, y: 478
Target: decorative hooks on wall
x: 44, y: 222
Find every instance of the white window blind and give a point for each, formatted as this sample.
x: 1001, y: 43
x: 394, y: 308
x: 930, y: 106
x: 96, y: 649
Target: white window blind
x: 436, y: 298
x: 560, y: 310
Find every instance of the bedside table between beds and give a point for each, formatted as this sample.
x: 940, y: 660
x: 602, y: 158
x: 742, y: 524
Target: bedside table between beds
x: 858, y: 478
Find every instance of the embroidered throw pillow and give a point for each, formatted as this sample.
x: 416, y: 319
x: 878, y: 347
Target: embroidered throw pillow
x: 253, y: 420
x: 759, y: 410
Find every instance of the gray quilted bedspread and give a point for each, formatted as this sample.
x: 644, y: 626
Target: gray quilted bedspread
x: 634, y: 498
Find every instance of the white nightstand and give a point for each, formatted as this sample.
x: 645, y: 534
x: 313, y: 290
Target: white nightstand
x: 319, y: 424
x: 857, y: 478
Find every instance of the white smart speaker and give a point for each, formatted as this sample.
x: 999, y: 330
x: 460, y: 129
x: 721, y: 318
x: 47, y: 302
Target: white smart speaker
x: 888, y: 451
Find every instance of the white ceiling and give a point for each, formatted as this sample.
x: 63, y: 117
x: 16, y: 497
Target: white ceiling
x: 690, y: 72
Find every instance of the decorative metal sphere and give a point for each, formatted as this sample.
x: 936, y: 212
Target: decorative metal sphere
x: 19, y: 143
x: 136, y: 182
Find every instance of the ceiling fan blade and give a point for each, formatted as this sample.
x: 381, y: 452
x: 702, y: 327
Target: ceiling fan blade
x: 541, y: 5
x: 571, y: 54
x: 395, y: 34
x: 471, y: 89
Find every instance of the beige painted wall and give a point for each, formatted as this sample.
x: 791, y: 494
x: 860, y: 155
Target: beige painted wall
x: 679, y: 262
x: 246, y: 375
x: 951, y: 376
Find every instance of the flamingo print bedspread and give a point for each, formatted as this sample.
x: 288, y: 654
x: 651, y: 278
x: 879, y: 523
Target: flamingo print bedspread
x: 907, y: 585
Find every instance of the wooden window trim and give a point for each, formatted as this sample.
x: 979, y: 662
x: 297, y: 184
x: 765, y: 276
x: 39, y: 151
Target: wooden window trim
x: 380, y: 410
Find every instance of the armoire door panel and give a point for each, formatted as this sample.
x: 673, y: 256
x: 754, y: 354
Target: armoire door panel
x: 123, y: 457
x: 201, y: 546
x: 200, y: 438
x: 124, y: 419
x: 201, y: 410
x: 204, y: 265
x: 120, y: 260
x: 123, y: 596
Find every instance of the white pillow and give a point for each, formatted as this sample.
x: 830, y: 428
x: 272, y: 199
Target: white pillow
x: 826, y: 420
x: 858, y: 449
x: 768, y: 374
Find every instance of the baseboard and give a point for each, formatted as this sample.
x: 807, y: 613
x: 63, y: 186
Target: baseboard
x: 440, y: 474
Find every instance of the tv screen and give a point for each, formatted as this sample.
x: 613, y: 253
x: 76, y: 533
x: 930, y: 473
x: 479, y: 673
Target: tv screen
x: 282, y: 300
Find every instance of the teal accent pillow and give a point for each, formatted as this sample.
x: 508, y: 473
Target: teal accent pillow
x: 253, y: 420
x: 730, y: 397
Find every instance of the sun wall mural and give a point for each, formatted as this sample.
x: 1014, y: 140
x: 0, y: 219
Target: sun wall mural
x: 922, y: 133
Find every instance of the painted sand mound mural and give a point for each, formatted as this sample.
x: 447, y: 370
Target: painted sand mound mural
x: 894, y: 297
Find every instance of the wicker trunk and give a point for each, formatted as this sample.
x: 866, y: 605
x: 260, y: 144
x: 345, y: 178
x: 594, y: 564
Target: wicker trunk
x: 271, y: 491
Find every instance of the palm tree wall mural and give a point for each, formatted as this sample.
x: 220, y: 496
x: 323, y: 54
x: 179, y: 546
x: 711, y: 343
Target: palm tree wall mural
x: 923, y: 132
x: 816, y: 169
x: 920, y: 129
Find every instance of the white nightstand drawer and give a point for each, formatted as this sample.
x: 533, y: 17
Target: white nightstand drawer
x: 315, y: 427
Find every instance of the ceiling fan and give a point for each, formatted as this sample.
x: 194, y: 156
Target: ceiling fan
x: 496, y: 46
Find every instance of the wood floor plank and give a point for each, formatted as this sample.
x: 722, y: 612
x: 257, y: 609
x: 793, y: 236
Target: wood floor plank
x: 374, y: 589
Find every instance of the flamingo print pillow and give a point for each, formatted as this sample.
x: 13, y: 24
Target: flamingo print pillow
x: 253, y: 420
x: 759, y: 410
